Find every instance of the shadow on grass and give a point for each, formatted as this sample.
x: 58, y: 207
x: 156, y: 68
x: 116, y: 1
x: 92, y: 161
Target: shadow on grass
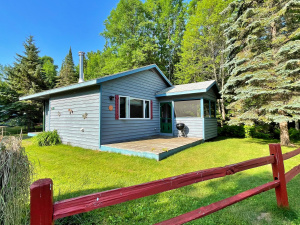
x: 249, y: 140
x: 160, y: 207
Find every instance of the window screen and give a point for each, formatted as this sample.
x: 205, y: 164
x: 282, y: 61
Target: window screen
x: 206, y: 108
x: 212, y: 109
x: 136, y: 108
x: 189, y: 108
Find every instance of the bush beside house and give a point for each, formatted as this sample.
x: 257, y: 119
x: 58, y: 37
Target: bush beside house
x: 48, y: 138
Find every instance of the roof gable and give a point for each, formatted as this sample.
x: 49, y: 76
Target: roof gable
x: 46, y: 94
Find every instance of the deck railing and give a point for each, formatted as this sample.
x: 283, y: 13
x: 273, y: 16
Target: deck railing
x: 44, y: 211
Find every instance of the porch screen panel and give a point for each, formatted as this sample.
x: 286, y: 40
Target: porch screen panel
x: 212, y: 109
x: 206, y: 108
x: 190, y: 108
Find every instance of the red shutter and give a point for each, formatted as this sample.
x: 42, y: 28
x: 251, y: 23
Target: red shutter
x: 151, y: 109
x: 117, y: 107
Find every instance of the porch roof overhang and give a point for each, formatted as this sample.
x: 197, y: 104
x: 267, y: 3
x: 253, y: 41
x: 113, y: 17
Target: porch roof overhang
x: 193, y: 88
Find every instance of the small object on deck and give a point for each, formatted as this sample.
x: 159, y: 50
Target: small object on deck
x: 180, y: 127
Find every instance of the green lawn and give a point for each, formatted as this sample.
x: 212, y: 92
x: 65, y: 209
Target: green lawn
x: 76, y: 171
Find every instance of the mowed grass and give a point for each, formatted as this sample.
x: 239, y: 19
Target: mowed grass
x: 77, y: 171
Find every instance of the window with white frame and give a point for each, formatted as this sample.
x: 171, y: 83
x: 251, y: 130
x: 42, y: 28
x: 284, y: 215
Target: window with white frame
x: 134, y: 108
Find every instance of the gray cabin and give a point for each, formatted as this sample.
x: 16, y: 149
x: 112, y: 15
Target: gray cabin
x: 129, y: 105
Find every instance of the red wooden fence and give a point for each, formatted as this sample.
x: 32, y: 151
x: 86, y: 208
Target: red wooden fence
x: 44, y: 211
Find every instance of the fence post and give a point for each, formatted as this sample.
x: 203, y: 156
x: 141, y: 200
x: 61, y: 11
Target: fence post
x: 279, y: 174
x: 41, y: 202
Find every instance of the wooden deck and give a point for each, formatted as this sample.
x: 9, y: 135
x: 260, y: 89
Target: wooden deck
x: 154, y: 147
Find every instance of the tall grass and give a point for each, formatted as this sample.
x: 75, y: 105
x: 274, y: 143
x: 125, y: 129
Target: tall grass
x: 15, y: 178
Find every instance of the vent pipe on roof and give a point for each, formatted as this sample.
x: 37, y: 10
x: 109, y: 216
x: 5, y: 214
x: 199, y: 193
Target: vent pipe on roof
x: 81, y: 75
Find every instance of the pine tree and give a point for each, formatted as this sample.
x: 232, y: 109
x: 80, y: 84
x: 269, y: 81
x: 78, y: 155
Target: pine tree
x: 26, y: 76
x: 67, y: 74
x: 23, y: 78
x: 264, y: 62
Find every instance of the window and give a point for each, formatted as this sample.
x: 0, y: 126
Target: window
x: 189, y: 108
x: 147, y: 109
x: 212, y: 109
x: 123, y: 107
x: 206, y: 108
x: 134, y: 108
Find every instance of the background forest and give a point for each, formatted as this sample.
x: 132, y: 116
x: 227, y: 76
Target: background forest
x: 250, y: 47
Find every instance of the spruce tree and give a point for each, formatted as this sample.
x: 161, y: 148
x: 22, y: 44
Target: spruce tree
x: 263, y: 38
x: 67, y: 74
x: 26, y: 76
x: 23, y: 78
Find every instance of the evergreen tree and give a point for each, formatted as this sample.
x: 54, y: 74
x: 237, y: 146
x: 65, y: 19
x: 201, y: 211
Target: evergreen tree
x: 264, y: 62
x: 67, y: 74
x: 202, y: 54
x: 24, y: 77
x: 50, y: 71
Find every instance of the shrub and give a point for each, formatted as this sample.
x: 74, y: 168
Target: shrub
x: 231, y: 131
x: 249, y: 130
x: 294, y: 134
x: 15, y: 179
x: 48, y: 138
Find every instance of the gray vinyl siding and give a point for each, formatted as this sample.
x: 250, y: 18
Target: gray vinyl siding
x: 211, y: 126
x: 141, y: 85
x: 194, y: 126
x: 210, y: 95
x: 47, y: 115
x: 69, y: 125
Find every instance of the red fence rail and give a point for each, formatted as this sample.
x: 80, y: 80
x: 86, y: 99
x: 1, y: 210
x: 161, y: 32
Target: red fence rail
x: 44, y: 211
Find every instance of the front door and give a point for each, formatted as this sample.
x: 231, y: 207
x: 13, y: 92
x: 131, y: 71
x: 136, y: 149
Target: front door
x: 166, y: 117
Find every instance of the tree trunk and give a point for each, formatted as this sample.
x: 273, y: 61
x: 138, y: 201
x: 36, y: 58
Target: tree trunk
x: 220, y: 110
x: 223, y: 109
x: 297, y: 125
x: 222, y: 84
x: 284, y: 134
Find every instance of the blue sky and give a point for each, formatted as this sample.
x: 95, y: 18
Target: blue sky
x: 56, y: 25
